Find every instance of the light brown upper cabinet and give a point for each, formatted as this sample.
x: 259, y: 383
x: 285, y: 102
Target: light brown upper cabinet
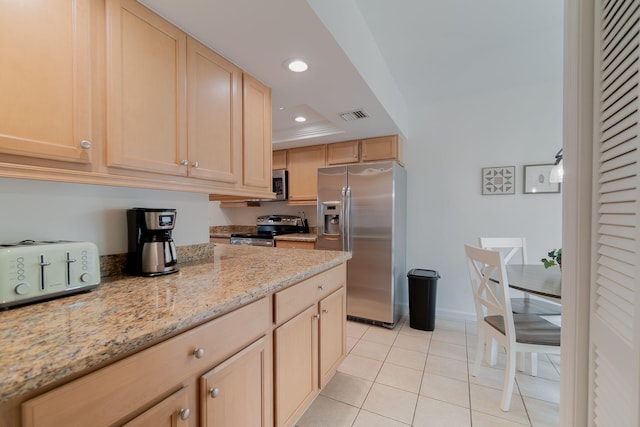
x: 256, y: 134
x: 214, y: 115
x: 279, y: 159
x: 303, y: 164
x: 381, y: 148
x: 365, y: 150
x: 46, y: 101
x: 146, y: 90
x: 343, y: 152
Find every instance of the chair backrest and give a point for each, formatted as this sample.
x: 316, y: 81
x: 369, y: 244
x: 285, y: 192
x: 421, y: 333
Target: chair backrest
x: 509, y: 246
x: 490, y: 286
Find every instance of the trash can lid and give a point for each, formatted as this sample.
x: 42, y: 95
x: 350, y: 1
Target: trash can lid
x: 419, y: 272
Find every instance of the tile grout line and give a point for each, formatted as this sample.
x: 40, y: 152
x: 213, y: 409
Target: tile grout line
x: 424, y: 368
x: 466, y: 345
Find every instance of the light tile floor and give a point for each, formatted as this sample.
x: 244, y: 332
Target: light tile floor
x: 408, y: 377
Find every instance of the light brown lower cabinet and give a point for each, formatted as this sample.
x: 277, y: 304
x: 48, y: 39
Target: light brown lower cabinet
x: 235, y: 393
x: 309, y: 346
x: 171, y: 412
x: 295, y: 244
x: 262, y: 363
x: 158, y: 386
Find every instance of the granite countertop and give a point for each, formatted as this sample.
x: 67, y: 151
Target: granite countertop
x: 46, y: 342
x: 297, y: 237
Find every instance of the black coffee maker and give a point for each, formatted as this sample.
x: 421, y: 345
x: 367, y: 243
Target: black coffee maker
x: 151, y: 248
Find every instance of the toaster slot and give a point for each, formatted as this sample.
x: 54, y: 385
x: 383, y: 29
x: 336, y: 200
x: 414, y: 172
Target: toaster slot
x: 43, y: 264
x: 69, y: 261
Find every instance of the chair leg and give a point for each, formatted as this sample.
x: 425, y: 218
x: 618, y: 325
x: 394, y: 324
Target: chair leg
x: 479, y: 352
x: 509, y: 379
x: 493, y: 360
x: 534, y: 364
x: 520, y: 361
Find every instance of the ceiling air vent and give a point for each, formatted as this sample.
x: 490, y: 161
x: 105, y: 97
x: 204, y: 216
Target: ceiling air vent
x: 353, y: 115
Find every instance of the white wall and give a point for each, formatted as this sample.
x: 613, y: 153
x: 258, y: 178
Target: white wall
x: 450, y: 143
x: 41, y: 210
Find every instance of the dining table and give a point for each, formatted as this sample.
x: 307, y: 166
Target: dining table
x: 535, y: 279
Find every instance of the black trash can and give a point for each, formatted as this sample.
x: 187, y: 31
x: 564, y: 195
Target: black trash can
x: 422, y: 298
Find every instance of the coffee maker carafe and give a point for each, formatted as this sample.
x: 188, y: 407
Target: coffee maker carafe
x: 151, y: 248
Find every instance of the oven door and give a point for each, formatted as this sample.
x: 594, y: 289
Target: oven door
x: 252, y: 241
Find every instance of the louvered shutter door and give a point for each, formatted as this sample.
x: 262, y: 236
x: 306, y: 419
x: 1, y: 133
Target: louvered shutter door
x: 615, y: 298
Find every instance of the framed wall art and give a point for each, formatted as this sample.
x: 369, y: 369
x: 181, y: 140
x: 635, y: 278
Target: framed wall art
x: 499, y: 180
x: 536, y: 180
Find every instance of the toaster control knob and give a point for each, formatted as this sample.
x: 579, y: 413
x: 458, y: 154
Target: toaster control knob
x: 86, y: 277
x: 22, y: 288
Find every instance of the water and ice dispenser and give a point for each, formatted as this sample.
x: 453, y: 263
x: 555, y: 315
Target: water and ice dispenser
x: 331, y: 214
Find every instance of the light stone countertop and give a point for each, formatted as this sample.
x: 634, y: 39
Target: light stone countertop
x: 45, y: 342
x: 297, y: 237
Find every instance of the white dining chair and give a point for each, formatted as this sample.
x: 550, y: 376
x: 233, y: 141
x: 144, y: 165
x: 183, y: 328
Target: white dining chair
x: 510, y: 246
x: 517, y: 333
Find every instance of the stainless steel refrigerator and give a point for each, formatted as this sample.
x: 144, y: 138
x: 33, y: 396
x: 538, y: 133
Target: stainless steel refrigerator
x: 362, y: 209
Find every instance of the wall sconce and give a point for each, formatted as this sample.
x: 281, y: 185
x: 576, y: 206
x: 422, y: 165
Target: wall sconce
x: 557, y: 171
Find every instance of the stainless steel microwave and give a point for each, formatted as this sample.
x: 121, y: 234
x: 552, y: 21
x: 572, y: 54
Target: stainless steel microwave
x: 280, y: 181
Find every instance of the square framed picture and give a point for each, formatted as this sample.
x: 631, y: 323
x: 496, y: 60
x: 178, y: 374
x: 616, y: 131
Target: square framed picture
x: 536, y: 180
x: 499, y: 180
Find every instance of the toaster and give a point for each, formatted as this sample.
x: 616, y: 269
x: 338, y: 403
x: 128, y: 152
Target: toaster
x: 32, y: 271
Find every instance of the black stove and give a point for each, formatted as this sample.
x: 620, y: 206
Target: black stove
x: 269, y: 226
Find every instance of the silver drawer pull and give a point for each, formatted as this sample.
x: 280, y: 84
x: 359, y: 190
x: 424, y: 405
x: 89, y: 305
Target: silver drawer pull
x: 317, y: 315
x: 321, y: 287
x: 198, y: 353
x: 214, y: 392
x: 325, y: 310
x: 85, y: 144
x: 184, y: 414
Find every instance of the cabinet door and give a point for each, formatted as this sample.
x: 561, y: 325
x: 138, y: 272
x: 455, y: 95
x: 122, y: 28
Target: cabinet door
x: 214, y: 115
x: 174, y: 411
x: 279, y: 159
x: 333, y: 320
x: 382, y: 148
x: 45, y: 101
x: 256, y: 134
x: 303, y: 164
x: 146, y: 87
x: 296, y: 366
x: 342, y: 152
x: 237, y: 392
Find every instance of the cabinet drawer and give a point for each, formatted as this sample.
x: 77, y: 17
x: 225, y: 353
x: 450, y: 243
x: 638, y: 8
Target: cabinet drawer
x: 113, y: 393
x: 293, y: 300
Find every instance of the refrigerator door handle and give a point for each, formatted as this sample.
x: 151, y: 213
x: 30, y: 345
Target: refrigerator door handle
x: 343, y: 209
x: 347, y: 219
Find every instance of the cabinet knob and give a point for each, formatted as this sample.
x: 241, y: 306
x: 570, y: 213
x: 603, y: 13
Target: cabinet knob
x: 85, y: 144
x: 198, y: 353
x: 184, y: 414
x: 317, y: 315
x: 185, y: 162
x: 195, y: 164
x: 325, y: 310
x: 321, y: 287
x: 214, y: 392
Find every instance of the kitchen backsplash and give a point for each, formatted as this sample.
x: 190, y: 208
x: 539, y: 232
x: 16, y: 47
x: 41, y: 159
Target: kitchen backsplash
x: 113, y: 266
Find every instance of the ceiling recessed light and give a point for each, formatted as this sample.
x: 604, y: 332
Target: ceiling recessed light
x: 300, y: 119
x: 297, y: 65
